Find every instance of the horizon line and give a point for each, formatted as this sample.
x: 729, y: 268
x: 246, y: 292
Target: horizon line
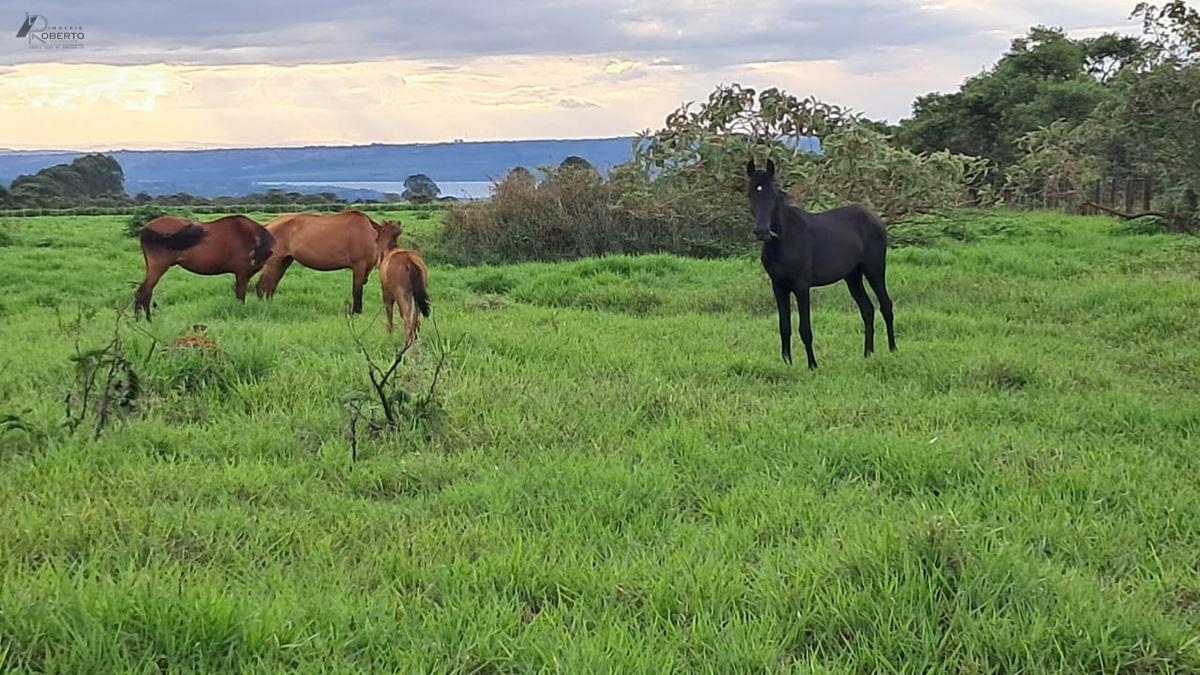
x: 203, y: 148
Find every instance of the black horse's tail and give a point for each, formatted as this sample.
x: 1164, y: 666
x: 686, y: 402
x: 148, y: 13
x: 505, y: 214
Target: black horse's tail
x: 416, y: 281
x: 181, y: 240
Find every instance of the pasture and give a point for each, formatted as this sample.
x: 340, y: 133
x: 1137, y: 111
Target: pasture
x: 618, y: 474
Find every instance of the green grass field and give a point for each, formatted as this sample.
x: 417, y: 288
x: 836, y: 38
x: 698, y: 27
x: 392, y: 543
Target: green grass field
x: 620, y: 475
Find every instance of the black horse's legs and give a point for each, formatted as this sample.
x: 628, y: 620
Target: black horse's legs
x: 783, y: 302
x: 855, y: 283
x: 802, y: 304
x: 877, y: 281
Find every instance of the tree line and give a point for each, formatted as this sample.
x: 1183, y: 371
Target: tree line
x: 1042, y: 126
x: 1057, y: 114
x: 98, y: 181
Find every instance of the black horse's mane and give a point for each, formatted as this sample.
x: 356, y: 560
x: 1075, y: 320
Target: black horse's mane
x: 790, y: 210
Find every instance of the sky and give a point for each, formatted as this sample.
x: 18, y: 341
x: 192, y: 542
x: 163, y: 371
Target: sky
x: 157, y: 74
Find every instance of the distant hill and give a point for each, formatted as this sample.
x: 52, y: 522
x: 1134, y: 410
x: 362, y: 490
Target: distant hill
x: 237, y: 171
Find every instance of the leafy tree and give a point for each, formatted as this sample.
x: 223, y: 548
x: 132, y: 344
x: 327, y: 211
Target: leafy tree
x: 699, y: 156
x: 1108, y: 54
x: 88, y: 177
x: 1172, y: 31
x: 1044, y: 77
x: 1054, y: 167
x: 879, y: 126
x: 1151, y: 123
x: 575, y: 163
x: 37, y: 191
x: 180, y: 199
x: 419, y: 188
x: 99, y: 175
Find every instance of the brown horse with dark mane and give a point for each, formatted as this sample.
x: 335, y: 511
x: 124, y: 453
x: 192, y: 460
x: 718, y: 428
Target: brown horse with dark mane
x: 405, y: 282
x: 233, y: 245
x: 346, y: 240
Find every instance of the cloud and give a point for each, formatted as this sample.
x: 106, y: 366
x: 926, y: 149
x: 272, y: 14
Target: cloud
x: 157, y: 74
x: 701, y: 33
x: 617, y: 66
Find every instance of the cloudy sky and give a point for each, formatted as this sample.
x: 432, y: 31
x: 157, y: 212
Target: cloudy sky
x: 155, y: 74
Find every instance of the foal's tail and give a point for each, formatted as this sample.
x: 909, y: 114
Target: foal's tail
x: 416, y: 281
x: 181, y: 240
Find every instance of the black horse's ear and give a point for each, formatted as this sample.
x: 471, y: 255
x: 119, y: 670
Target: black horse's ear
x: 750, y: 167
x: 770, y: 168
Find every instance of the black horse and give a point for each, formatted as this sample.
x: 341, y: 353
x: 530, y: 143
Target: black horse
x: 802, y: 250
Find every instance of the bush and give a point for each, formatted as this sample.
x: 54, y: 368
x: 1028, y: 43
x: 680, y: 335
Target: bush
x: 574, y: 214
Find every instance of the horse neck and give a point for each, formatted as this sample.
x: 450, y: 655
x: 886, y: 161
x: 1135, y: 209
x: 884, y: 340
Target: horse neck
x: 786, y: 216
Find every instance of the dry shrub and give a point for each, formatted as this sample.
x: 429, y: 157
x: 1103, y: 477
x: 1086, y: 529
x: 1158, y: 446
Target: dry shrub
x: 577, y: 213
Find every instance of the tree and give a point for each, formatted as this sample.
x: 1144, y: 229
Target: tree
x: 180, y: 199
x: 36, y: 191
x: 100, y: 175
x: 88, y: 177
x: 879, y: 126
x: 698, y: 158
x: 575, y: 163
x: 1044, y: 77
x: 1108, y: 54
x: 1172, y: 31
x: 1054, y: 166
x: 419, y: 188
x: 1151, y: 123
x: 275, y: 196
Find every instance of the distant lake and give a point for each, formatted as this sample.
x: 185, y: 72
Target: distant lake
x: 467, y: 189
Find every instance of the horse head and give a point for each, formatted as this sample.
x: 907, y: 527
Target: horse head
x: 764, y: 198
x: 386, y: 234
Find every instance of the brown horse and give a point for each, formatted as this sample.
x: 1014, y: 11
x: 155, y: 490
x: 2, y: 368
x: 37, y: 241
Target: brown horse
x: 405, y: 281
x: 231, y: 245
x: 346, y: 240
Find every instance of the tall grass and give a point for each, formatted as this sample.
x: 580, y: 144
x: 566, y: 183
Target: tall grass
x: 622, y: 477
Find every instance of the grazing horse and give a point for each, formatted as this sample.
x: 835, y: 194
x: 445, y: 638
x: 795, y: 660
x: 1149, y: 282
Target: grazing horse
x: 802, y: 250
x: 231, y: 245
x: 405, y: 281
x: 346, y: 240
